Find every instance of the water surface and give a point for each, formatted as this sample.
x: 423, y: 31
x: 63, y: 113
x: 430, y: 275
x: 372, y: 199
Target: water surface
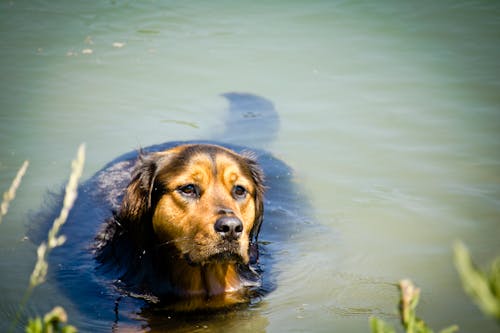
x: 390, y: 116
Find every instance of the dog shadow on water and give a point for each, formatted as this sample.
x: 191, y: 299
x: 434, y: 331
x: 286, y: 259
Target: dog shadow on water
x: 99, y: 294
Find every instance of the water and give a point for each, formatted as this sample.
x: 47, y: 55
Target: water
x: 390, y: 116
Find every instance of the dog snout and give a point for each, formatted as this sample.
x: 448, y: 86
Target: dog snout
x: 225, y: 211
x: 229, y: 227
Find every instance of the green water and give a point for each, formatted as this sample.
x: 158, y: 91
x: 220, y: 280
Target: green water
x: 390, y: 115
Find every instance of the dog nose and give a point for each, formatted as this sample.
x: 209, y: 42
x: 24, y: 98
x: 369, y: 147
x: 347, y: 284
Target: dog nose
x: 229, y: 227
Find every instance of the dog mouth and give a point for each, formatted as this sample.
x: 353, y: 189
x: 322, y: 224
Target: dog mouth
x: 225, y: 257
x: 224, y: 254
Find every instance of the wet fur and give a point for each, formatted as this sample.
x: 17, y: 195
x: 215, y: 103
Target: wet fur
x: 137, y: 244
x: 99, y: 290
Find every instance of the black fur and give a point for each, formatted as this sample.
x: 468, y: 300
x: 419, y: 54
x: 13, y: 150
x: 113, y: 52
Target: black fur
x: 97, y: 288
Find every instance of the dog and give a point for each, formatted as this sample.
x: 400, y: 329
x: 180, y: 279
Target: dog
x: 178, y: 227
x: 187, y: 227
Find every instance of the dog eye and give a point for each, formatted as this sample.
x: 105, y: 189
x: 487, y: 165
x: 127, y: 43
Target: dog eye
x: 239, y: 192
x: 190, y: 191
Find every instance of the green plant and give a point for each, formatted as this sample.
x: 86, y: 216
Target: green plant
x: 409, y: 298
x: 52, y: 322
x: 380, y: 326
x: 482, y: 287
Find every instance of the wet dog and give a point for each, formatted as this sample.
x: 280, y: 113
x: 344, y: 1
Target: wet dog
x: 187, y: 227
x: 180, y: 227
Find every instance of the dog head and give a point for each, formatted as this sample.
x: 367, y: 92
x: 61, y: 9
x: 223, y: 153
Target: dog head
x: 205, y: 201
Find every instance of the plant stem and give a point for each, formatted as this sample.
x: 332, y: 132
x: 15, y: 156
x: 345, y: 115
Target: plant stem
x: 11, y: 192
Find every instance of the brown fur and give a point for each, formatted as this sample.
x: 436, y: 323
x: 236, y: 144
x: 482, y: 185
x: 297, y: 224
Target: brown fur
x: 167, y: 222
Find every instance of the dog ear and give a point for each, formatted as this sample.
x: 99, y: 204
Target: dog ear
x: 137, y: 201
x: 258, y: 179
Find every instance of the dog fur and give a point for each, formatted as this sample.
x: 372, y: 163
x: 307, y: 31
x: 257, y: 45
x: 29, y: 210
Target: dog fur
x: 187, y: 227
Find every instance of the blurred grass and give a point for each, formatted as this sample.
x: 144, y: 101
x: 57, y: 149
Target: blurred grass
x: 409, y: 298
x: 55, y: 320
x: 10, y: 194
x: 52, y: 322
x: 482, y: 287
